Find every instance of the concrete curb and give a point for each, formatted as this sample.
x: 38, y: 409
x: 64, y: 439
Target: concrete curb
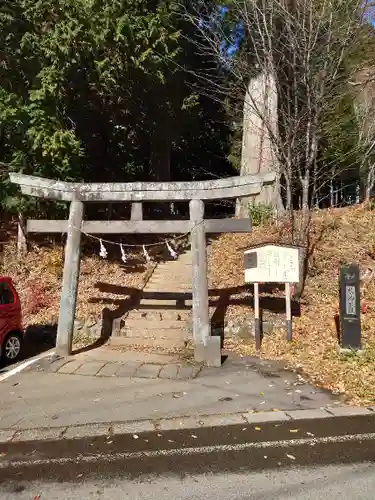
x: 133, y: 428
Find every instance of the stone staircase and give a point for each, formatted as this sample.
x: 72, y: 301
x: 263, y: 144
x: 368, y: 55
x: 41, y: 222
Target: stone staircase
x: 163, y: 316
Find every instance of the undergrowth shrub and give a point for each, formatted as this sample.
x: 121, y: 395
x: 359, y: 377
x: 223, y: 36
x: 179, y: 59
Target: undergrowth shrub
x: 260, y: 214
x: 36, y: 297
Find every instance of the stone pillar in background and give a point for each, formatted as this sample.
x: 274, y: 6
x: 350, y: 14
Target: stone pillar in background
x: 259, y: 117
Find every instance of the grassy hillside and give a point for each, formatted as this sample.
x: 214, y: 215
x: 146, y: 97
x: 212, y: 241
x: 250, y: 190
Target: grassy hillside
x: 340, y: 236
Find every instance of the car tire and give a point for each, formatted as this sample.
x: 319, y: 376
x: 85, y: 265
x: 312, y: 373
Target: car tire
x: 11, y: 348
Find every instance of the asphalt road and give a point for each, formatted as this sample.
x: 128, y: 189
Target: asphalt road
x: 333, y: 482
x: 306, y: 460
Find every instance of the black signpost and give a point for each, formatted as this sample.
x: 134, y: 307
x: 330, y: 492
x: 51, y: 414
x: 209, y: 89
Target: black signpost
x: 350, y: 310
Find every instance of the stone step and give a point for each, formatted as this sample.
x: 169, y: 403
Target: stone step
x: 172, y: 289
x: 160, y: 314
x: 182, y: 257
x: 149, y: 342
x: 170, y: 281
x: 146, y: 324
x: 168, y: 295
x: 185, y: 256
x: 173, y: 303
x: 183, y: 281
x: 171, y: 277
x: 172, y: 266
x: 156, y: 333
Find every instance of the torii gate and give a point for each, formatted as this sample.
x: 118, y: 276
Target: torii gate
x: 207, y: 347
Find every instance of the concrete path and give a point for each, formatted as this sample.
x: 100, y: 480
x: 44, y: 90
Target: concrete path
x: 110, y: 363
x: 39, y: 399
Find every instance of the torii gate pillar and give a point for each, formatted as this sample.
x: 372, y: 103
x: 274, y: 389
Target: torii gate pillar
x: 69, y: 289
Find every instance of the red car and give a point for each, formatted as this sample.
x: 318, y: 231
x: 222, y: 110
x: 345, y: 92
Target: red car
x: 11, y: 331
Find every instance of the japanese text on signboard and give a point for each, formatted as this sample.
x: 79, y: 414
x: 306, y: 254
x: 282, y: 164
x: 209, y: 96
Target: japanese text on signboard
x: 272, y: 263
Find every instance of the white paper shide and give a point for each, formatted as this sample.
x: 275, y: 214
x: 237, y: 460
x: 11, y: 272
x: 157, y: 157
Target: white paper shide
x: 272, y: 264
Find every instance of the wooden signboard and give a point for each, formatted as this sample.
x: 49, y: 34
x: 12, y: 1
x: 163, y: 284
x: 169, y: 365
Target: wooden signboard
x: 272, y: 264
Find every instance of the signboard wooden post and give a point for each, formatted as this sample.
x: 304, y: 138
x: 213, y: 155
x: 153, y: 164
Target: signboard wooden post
x: 272, y: 264
x: 257, y: 325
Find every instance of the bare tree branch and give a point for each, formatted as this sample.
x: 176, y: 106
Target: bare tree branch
x: 290, y: 69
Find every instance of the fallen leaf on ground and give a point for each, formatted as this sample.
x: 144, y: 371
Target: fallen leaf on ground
x: 294, y: 430
x: 292, y: 457
x: 135, y: 436
x: 258, y: 428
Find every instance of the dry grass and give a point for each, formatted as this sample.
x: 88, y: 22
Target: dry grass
x: 341, y: 236
x: 38, y: 279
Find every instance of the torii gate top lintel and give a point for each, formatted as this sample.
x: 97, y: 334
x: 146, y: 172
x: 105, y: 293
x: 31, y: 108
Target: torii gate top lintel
x: 229, y: 187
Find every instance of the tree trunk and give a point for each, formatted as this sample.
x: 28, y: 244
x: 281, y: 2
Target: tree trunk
x: 160, y: 163
x: 370, y: 182
x: 160, y: 157
x: 21, y: 237
x: 258, y: 146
